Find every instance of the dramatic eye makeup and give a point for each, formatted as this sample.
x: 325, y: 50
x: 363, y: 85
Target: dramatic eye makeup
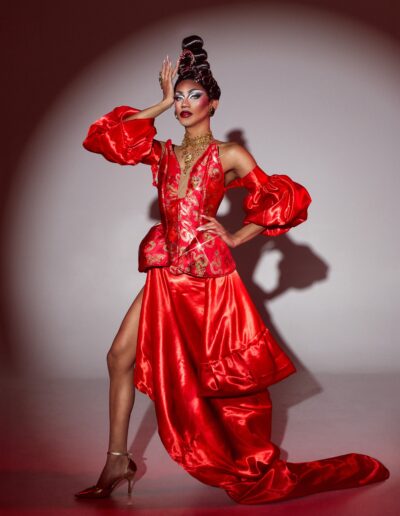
x: 193, y: 94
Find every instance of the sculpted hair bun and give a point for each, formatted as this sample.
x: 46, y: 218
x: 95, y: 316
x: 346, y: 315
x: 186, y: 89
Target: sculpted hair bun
x: 193, y: 65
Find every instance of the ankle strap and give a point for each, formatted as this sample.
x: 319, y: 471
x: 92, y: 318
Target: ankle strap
x: 127, y: 454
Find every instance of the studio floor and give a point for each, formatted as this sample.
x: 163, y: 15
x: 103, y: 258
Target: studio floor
x: 54, y: 439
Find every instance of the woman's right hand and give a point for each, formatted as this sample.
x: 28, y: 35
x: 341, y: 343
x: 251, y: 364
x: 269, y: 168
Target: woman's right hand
x: 167, y: 74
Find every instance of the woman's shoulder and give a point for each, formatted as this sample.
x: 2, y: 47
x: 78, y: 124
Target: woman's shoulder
x: 224, y: 145
x: 235, y: 157
x: 231, y: 148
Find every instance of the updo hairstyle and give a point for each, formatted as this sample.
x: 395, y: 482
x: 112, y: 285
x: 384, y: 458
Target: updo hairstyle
x: 193, y: 65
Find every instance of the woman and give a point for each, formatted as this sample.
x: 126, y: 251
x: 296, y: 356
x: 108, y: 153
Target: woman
x: 201, y: 350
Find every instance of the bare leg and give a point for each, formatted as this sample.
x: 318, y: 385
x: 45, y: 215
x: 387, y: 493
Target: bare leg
x: 120, y: 361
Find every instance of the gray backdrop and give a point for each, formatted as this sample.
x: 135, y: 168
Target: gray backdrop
x: 311, y: 94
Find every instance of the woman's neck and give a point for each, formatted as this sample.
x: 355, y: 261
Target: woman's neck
x: 198, y: 130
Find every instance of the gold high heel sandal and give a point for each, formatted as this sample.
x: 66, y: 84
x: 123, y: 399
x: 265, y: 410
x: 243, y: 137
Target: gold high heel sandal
x: 105, y: 492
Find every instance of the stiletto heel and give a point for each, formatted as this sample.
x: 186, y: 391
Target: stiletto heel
x: 104, y: 492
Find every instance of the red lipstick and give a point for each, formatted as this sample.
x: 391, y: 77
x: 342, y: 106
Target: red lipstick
x: 185, y: 114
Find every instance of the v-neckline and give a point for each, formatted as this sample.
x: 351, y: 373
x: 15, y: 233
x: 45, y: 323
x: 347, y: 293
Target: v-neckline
x: 194, y: 164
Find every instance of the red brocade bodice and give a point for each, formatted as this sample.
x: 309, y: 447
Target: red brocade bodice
x: 273, y: 201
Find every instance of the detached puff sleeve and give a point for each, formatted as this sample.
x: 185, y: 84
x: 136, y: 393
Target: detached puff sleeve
x: 125, y: 142
x: 274, y: 201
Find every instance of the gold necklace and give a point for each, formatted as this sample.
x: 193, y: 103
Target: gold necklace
x: 193, y: 147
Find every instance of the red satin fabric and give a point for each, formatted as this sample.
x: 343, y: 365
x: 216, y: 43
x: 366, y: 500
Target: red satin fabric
x: 204, y: 355
x: 236, y: 353
x: 222, y: 441
x: 274, y: 201
x: 124, y: 142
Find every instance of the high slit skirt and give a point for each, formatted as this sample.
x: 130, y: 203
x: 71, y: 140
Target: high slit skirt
x: 205, y: 358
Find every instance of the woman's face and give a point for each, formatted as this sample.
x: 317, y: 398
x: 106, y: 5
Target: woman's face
x: 192, y: 104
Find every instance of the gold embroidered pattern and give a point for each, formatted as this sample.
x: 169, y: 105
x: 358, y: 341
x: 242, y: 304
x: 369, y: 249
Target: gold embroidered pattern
x: 189, y: 251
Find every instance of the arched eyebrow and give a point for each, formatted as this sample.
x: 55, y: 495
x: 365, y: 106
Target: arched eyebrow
x: 190, y: 91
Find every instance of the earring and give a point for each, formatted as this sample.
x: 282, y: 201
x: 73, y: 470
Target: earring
x: 212, y: 111
x: 176, y: 116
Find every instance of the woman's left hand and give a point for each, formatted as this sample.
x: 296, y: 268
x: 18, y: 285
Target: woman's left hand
x: 215, y: 227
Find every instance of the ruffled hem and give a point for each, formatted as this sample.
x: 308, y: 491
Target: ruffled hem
x: 249, y: 369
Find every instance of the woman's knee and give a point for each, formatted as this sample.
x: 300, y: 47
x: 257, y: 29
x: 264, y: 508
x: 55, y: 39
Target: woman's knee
x: 121, y: 356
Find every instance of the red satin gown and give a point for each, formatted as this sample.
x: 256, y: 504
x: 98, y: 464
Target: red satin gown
x: 204, y: 355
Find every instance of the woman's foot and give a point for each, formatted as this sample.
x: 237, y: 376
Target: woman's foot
x: 118, y: 468
x: 115, y: 466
